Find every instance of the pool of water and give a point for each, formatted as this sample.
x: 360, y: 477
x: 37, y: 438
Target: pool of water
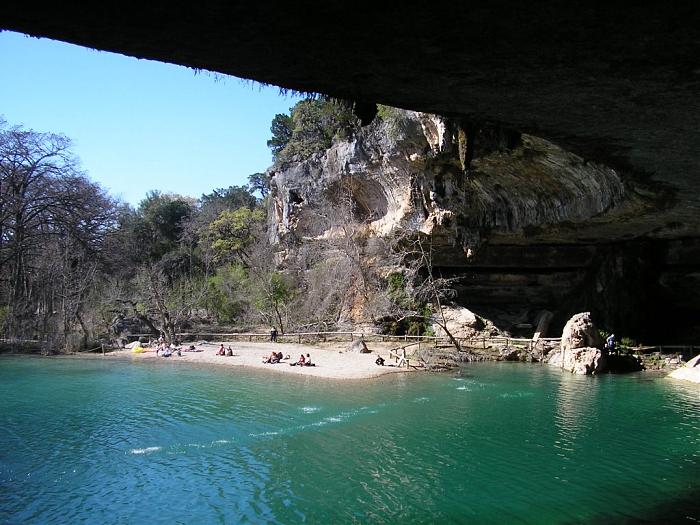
x: 89, y: 441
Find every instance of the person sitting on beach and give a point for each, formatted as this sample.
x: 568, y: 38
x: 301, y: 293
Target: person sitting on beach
x: 272, y: 359
x: 229, y: 352
x: 308, y: 361
x: 162, y: 347
x: 301, y: 362
x: 222, y: 350
x: 380, y: 361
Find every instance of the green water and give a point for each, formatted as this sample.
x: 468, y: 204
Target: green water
x: 115, y: 442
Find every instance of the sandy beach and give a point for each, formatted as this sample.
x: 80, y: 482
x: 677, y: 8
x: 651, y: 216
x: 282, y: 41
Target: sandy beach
x: 332, y: 360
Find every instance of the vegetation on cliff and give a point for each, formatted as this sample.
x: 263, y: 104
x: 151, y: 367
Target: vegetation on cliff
x: 311, y: 127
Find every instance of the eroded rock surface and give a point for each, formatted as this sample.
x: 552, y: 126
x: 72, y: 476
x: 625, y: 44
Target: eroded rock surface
x: 580, y: 332
x: 584, y: 361
x: 524, y: 227
x: 578, y: 353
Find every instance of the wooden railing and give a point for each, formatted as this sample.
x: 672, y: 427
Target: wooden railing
x: 299, y: 337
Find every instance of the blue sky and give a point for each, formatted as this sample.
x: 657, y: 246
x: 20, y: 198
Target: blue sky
x: 139, y: 125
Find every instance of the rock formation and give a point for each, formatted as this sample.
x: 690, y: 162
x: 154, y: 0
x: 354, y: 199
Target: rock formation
x: 459, y: 321
x: 359, y: 346
x: 584, y: 361
x: 580, y: 332
x: 517, y: 223
x: 578, y: 353
x: 689, y: 372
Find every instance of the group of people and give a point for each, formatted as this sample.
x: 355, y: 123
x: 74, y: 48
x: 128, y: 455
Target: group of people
x: 228, y: 352
x: 167, y: 350
x: 274, y: 357
x: 304, y: 360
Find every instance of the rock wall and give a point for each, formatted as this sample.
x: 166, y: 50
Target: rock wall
x: 522, y: 225
x: 412, y: 174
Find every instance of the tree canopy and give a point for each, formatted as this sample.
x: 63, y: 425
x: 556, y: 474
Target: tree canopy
x: 311, y: 127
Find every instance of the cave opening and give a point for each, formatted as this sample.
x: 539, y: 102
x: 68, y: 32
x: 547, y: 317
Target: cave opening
x: 364, y: 200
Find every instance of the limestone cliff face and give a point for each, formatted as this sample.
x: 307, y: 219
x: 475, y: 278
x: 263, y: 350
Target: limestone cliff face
x: 523, y: 225
x: 409, y: 172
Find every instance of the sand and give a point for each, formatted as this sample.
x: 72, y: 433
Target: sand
x: 332, y: 360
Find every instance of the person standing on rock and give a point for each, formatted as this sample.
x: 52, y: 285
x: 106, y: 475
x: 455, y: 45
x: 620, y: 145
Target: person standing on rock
x: 610, y: 344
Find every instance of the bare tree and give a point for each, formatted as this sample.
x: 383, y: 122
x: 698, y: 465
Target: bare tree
x: 415, y: 253
x: 52, y: 224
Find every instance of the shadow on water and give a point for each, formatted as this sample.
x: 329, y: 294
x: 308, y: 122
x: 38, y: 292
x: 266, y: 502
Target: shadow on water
x: 682, y: 510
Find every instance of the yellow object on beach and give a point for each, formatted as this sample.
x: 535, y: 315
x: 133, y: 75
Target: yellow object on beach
x: 138, y: 350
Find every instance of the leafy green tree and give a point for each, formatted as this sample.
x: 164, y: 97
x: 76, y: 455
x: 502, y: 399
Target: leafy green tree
x: 230, y: 198
x: 258, y: 182
x: 311, y: 127
x: 159, y: 223
x: 281, y: 130
x: 233, y: 232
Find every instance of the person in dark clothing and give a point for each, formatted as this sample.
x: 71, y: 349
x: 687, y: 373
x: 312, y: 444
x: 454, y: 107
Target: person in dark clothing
x: 273, y: 334
x: 610, y: 344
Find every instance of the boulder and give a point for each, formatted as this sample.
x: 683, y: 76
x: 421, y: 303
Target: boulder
x: 689, y: 372
x: 358, y: 346
x: 509, y: 354
x: 460, y: 322
x: 578, y: 352
x: 585, y: 361
x: 580, y: 332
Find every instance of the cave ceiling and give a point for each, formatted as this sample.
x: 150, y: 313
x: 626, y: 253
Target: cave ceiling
x: 618, y: 85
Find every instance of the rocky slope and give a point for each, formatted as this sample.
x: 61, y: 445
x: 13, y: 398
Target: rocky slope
x: 523, y: 225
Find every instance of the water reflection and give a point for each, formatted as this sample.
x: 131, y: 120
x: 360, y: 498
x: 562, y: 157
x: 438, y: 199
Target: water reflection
x: 574, y: 406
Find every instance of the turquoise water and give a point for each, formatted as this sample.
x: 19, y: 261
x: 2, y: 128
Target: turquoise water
x: 114, y: 442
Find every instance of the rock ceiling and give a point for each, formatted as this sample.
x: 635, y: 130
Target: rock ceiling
x: 614, y: 85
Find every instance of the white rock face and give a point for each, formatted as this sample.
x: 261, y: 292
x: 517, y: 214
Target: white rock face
x: 580, y: 332
x: 689, y: 372
x: 578, y: 353
x: 584, y: 361
x: 460, y: 322
x: 412, y: 178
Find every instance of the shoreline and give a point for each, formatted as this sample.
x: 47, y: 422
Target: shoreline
x: 332, y: 360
